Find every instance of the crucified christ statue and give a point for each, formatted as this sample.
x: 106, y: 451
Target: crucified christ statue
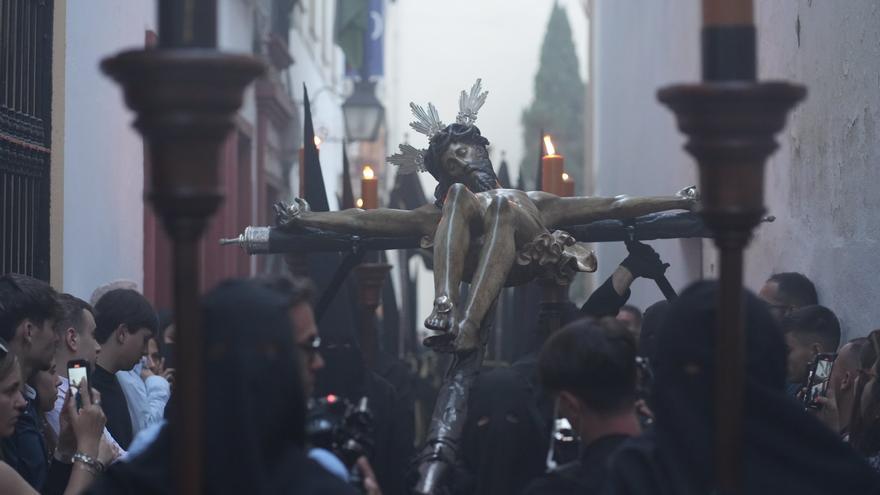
x: 481, y: 233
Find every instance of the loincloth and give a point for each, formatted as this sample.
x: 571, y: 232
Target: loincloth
x: 556, y: 256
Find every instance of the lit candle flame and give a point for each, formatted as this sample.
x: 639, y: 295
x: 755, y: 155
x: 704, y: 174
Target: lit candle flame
x: 551, y: 150
x: 565, y: 177
x: 359, y: 203
x: 368, y: 172
x: 318, y: 142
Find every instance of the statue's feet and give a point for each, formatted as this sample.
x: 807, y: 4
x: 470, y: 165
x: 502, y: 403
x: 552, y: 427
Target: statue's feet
x: 467, y: 338
x: 442, y: 343
x: 441, y: 318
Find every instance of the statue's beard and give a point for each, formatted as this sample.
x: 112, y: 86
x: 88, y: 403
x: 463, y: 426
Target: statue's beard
x: 481, y: 176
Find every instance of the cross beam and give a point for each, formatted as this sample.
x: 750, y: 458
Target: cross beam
x: 270, y: 240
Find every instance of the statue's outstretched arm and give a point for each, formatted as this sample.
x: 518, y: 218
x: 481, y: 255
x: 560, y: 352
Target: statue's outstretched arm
x: 379, y: 222
x: 558, y: 212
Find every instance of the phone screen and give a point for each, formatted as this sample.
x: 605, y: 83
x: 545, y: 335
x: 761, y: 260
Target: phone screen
x: 819, y: 379
x: 76, y: 375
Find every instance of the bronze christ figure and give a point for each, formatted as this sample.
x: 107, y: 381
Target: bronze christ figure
x: 481, y: 233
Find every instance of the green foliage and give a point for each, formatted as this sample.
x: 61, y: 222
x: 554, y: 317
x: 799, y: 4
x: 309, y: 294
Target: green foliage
x: 558, y: 105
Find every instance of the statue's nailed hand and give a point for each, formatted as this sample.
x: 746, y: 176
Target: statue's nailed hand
x: 287, y: 215
x: 691, y: 194
x: 643, y: 261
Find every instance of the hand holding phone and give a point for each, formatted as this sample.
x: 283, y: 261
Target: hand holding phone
x: 818, y: 379
x: 77, y: 370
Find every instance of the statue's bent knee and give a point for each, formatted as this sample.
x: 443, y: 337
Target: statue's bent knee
x: 456, y: 190
x: 499, y: 206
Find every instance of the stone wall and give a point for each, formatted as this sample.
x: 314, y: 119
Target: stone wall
x: 821, y: 184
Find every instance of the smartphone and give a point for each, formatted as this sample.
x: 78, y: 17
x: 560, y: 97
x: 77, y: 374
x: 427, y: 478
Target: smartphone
x: 818, y: 379
x: 168, y: 354
x: 77, y: 370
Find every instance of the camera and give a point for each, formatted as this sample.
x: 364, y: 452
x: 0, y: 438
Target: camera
x: 345, y: 429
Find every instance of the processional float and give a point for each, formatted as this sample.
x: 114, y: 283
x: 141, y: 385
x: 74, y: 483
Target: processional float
x: 480, y: 234
x: 186, y: 93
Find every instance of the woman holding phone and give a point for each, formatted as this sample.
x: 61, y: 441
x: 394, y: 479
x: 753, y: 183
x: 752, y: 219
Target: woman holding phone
x: 86, y: 426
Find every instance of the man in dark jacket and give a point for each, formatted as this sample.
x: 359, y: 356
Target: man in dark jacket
x: 590, y: 368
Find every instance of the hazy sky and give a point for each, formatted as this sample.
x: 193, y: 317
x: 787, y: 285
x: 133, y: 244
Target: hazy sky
x: 436, y: 48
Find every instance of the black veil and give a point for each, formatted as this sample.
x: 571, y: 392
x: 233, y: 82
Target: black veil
x: 786, y: 449
x: 255, y: 407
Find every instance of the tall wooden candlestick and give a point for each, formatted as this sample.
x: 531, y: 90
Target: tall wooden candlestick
x: 369, y: 188
x: 185, y: 101
x: 730, y: 121
x: 552, y: 166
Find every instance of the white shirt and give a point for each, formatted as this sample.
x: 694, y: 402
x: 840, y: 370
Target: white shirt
x: 53, y: 417
x: 146, y: 398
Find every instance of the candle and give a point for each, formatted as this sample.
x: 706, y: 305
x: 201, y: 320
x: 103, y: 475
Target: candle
x: 551, y: 169
x: 729, y: 51
x: 187, y: 23
x: 359, y: 203
x: 369, y: 189
x: 727, y: 12
x: 567, y: 186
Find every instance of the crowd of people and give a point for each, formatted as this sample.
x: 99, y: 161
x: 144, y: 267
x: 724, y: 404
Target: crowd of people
x: 617, y: 401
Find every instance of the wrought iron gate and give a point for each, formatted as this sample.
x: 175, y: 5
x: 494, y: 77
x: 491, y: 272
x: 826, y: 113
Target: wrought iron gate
x: 25, y: 135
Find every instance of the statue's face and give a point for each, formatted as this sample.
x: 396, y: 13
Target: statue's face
x: 458, y: 157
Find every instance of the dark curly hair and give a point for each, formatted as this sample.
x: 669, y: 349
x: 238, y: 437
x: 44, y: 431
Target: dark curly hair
x: 484, y: 176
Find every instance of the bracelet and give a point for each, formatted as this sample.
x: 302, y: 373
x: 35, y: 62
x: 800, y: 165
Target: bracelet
x: 89, y: 461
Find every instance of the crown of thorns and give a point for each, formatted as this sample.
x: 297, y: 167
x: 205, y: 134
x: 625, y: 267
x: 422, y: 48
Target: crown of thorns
x: 411, y: 159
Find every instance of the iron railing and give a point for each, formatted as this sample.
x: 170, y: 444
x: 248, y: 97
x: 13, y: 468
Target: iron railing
x: 25, y: 135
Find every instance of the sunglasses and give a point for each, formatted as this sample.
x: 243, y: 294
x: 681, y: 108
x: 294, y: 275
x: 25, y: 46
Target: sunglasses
x: 3, y: 351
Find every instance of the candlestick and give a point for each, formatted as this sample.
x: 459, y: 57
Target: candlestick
x: 187, y: 23
x: 369, y: 189
x: 728, y: 41
x: 731, y: 130
x: 551, y: 168
x: 567, y: 189
x: 186, y: 103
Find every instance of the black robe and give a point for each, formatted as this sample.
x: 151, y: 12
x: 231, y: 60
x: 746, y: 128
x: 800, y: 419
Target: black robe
x: 786, y: 450
x: 254, y: 423
x: 585, y: 476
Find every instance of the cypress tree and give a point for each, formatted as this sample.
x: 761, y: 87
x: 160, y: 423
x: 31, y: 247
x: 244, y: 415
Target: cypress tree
x: 558, y: 104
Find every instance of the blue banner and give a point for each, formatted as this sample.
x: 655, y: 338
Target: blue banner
x: 374, y: 42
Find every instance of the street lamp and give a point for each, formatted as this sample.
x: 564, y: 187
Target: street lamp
x: 363, y: 113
